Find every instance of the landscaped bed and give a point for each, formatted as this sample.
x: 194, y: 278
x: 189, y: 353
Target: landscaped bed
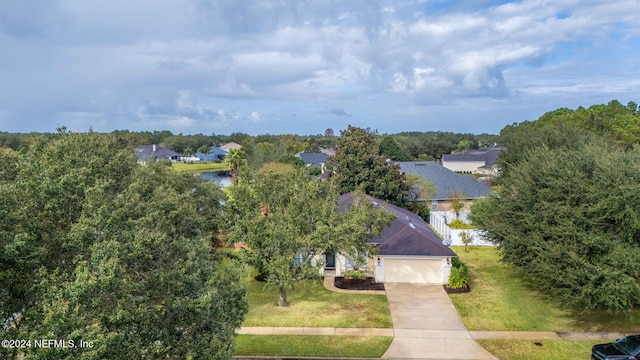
x: 358, y: 284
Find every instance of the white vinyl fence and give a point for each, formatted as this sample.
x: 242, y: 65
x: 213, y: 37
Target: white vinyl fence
x: 439, y: 220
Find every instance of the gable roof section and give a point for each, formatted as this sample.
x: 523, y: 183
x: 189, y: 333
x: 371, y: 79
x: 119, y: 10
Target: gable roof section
x: 155, y: 152
x: 314, y: 159
x: 214, y: 150
x: 445, y: 180
x: 408, y: 234
x: 230, y: 145
x: 488, y: 156
x: 328, y: 151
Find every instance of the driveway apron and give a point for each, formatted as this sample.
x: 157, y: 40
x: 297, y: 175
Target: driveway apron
x: 426, y: 325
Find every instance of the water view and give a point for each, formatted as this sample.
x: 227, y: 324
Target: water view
x: 223, y: 178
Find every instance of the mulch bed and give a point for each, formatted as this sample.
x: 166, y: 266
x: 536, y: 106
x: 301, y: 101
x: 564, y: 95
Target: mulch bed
x: 353, y: 284
x: 456, y: 291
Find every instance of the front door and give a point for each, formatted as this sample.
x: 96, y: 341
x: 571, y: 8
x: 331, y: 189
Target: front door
x: 330, y: 259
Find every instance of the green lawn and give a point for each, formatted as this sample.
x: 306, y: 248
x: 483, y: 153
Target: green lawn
x: 500, y: 299
x: 311, y: 345
x: 550, y: 349
x: 200, y: 167
x: 312, y: 305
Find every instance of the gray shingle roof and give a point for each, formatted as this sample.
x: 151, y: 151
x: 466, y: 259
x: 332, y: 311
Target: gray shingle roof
x: 487, y: 155
x: 408, y: 234
x: 217, y: 151
x: 445, y: 180
x: 314, y: 159
x: 156, y: 152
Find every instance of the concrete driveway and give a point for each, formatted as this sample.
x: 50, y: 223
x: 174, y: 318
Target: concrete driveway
x: 426, y: 325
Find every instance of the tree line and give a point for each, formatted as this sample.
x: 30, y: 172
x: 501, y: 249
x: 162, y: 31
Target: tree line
x: 406, y: 146
x: 567, y: 205
x: 97, y: 248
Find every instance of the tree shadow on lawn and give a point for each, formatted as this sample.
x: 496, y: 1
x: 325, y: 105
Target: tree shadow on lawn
x: 312, y: 305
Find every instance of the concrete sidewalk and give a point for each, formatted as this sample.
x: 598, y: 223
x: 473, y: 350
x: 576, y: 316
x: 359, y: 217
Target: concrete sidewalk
x: 315, y: 331
x: 506, y: 335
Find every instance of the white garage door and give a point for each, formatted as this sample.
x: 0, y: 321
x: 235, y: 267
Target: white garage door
x: 423, y: 271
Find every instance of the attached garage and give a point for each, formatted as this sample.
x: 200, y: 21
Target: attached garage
x: 408, y: 250
x: 413, y: 270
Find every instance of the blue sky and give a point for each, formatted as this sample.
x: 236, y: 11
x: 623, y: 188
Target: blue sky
x: 292, y: 66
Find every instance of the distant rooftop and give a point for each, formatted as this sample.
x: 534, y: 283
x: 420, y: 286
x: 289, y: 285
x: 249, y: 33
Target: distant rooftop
x: 231, y: 145
x: 487, y: 155
x: 155, y: 152
x: 314, y: 159
x: 445, y: 180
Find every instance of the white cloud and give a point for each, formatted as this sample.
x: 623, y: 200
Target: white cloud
x: 208, y: 63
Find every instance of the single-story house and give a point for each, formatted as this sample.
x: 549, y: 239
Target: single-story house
x: 313, y: 159
x: 215, y: 154
x: 474, y: 161
x: 447, y: 183
x: 409, y: 251
x: 155, y: 152
x: 328, y: 151
x: 231, y: 145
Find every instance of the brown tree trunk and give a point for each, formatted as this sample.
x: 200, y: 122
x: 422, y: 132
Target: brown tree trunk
x: 282, y: 300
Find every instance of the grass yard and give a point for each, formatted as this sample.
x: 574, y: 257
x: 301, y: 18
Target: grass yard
x: 501, y: 300
x: 311, y: 345
x: 312, y: 305
x: 550, y: 349
x: 200, y: 167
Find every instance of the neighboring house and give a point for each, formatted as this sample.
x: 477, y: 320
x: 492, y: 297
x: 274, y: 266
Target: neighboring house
x: 409, y: 251
x: 155, y: 152
x: 313, y: 159
x: 229, y: 146
x: 215, y: 154
x: 447, y: 183
x: 329, y: 151
x: 474, y: 161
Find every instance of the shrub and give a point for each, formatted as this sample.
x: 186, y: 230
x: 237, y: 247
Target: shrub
x: 355, y: 274
x: 459, y: 278
x: 458, y: 224
x: 456, y: 262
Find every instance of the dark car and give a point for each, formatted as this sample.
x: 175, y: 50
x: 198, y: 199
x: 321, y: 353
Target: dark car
x: 625, y: 348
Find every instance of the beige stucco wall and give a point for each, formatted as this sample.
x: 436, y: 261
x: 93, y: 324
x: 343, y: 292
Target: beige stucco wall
x: 465, y: 166
x: 445, y: 205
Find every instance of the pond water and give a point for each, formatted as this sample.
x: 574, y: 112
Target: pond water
x: 223, y: 179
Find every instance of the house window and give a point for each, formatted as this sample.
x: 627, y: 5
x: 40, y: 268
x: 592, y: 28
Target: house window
x: 297, y: 260
x: 434, y: 205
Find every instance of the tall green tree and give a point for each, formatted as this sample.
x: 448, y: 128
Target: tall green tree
x: 569, y: 218
x: 390, y: 149
x: 107, y: 251
x: 288, y: 220
x: 358, y: 164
